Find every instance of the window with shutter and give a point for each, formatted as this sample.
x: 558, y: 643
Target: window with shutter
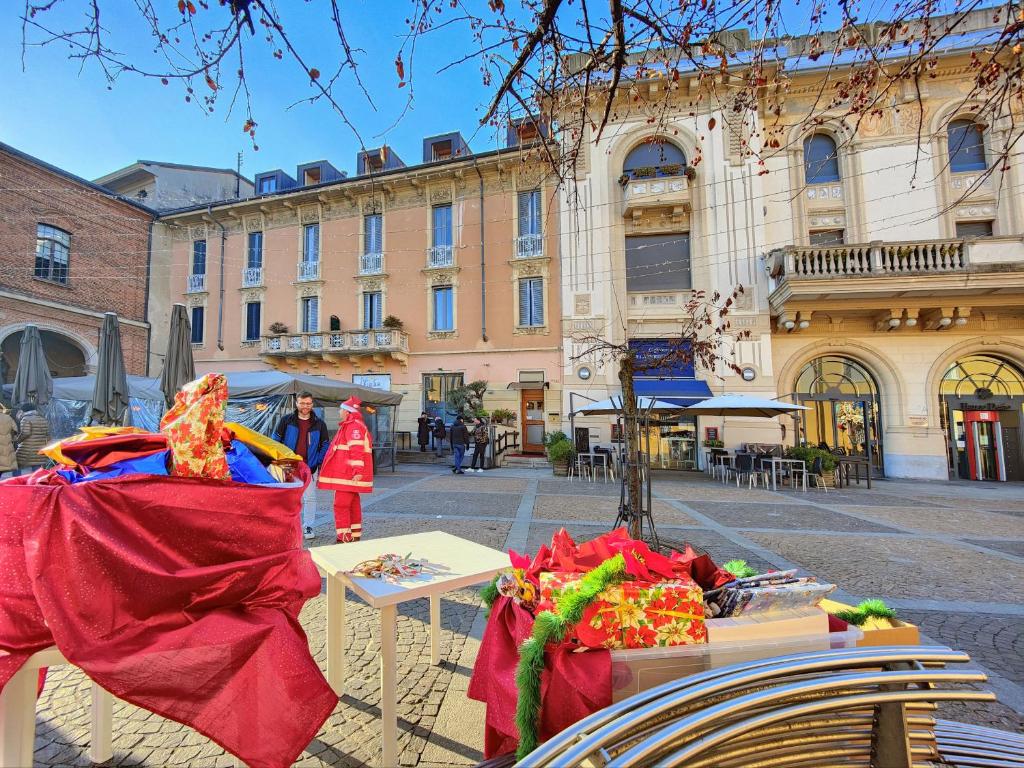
x: 442, y: 229
x: 966, y: 142
x: 529, y: 213
x: 197, y: 324
x: 255, y: 254
x: 531, y: 301
x: 199, y: 257
x: 311, y: 243
x: 821, y: 159
x: 373, y: 310
x: 373, y: 233
x: 658, y: 262
x: 444, y: 316
x: 252, y: 320
x: 311, y: 314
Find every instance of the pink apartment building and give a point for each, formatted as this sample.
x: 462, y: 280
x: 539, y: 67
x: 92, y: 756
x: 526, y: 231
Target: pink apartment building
x: 416, y: 279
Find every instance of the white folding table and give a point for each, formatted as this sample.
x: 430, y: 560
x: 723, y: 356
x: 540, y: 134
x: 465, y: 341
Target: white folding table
x: 460, y: 563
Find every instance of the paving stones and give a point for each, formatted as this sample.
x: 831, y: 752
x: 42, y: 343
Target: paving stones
x: 590, y: 508
x: 783, y: 517
x: 470, y: 504
x: 949, y: 520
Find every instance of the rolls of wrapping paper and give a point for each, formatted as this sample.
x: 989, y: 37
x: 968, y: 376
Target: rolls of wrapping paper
x: 263, y: 446
x: 54, y: 450
x: 766, y: 592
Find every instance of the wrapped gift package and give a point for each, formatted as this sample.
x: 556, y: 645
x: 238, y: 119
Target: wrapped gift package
x: 634, y: 614
x: 879, y: 631
x: 730, y: 641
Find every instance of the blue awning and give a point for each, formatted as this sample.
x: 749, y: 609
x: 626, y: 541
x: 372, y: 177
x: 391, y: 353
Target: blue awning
x: 681, y: 392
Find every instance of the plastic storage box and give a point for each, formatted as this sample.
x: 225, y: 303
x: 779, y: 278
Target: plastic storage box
x: 637, y: 670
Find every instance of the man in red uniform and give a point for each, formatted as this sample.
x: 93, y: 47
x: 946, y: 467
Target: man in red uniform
x: 348, y: 470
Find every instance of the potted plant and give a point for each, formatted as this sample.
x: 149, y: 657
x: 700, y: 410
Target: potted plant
x: 624, y: 180
x: 278, y: 328
x: 671, y: 169
x: 503, y: 416
x: 690, y: 172
x: 807, y: 454
x: 560, y: 454
x: 393, y: 323
x: 645, y: 172
x: 714, y: 444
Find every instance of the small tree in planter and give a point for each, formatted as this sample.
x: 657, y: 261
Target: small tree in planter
x: 467, y: 400
x: 278, y: 328
x: 393, y: 323
x: 503, y: 416
x: 560, y: 452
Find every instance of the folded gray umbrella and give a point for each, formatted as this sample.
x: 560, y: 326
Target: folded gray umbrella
x: 179, y: 367
x: 32, y: 381
x: 110, y: 396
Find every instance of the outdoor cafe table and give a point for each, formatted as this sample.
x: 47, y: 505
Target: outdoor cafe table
x: 777, y: 463
x: 843, y: 466
x: 460, y: 563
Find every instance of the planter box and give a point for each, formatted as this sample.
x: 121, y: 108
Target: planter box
x: 560, y: 468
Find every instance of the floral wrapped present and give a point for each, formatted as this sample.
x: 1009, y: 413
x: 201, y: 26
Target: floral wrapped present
x: 634, y: 614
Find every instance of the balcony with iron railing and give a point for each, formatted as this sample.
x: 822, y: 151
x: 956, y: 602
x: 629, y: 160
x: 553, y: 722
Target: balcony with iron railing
x: 252, y: 277
x: 196, y: 284
x: 329, y: 345
x: 440, y: 256
x: 530, y: 246
x: 879, y: 269
x: 308, y: 271
x: 371, y: 263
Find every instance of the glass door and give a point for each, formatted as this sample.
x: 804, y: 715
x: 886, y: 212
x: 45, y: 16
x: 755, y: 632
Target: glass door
x: 533, y: 420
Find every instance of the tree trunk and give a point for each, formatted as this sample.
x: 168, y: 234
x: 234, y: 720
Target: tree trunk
x: 632, y: 443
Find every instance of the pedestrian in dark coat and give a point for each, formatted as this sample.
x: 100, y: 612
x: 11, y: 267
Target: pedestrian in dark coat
x: 480, y: 440
x: 439, y: 435
x: 459, y: 439
x: 423, y: 429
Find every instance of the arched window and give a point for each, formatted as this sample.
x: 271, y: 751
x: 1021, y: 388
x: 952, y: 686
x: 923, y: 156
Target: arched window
x: 843, y: 404
x: 654, y: 157
x: 983, y: 377
x: 966, y: 141
x: 821, y: 159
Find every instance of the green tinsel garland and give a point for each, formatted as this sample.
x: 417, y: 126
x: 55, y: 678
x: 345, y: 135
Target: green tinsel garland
x: 489, y: 594
x: 551, y: 627
x: 866, y: 610
x: 739, y: 569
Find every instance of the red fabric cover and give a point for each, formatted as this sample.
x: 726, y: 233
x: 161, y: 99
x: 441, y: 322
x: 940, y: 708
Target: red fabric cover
x: 104, y: 451
x: 178, y: 595
x: 583, y: 680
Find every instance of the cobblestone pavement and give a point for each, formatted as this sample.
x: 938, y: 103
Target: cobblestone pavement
x: 949, y: 556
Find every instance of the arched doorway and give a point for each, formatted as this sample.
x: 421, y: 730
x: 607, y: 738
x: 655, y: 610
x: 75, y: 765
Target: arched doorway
x: 63, y: 356
x: 981, y: 398
x: 844, y: 408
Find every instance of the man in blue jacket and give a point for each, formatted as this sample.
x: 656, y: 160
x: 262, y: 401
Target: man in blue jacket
x: 306, y: 434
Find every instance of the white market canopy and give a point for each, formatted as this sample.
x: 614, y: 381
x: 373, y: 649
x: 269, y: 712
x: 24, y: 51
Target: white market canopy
x: 742, y: 405
x: 613, y: 406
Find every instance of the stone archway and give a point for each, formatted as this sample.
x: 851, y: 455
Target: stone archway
x: 65, y: 355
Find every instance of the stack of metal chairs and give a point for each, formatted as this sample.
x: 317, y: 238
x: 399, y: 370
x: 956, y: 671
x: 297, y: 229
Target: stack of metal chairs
x: 846, y: 707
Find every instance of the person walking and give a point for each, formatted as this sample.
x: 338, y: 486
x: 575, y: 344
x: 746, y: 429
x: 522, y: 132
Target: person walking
x: 439, y: 435
x: 480, y: 440
x: 459, y: 439
x: 423, y: 430
x: 33, y: 435
x: 305, y: 433
x: 348, y: 471
x: 8, y: 430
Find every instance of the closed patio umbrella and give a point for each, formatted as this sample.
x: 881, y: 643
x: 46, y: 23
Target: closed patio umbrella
x: 179, y: 367
x: 32, y: 381
x: 110, y: 396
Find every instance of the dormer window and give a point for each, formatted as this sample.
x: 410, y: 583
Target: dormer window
x: 268, y: 184
x: 311, y: 176
x: 441, y: 150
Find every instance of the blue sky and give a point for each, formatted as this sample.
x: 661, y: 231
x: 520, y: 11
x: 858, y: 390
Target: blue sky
x: 65, y: 114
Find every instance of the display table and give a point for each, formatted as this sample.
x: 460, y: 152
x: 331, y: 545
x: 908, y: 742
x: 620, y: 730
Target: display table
x: 459, y: 563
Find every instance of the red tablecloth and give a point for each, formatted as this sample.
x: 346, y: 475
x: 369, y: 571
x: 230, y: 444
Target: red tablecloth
x: 178, y: 595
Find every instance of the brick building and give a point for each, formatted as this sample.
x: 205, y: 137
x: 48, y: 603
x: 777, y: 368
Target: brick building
x: 70, y: 250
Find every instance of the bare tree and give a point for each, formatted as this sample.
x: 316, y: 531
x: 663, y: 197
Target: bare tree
x: 704, y: 340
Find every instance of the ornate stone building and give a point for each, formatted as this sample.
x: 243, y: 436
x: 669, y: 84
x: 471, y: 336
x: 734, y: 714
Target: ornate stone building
x: 883, y: 278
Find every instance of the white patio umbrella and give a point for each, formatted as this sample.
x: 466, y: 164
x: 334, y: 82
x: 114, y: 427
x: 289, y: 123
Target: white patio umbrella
x: 742, y: 405
x: 613, y: 406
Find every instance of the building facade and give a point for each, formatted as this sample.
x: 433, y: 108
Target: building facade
x: 69, y: 252
x: 418, y: 279
x: 883, y: 278
x: 165, y: 186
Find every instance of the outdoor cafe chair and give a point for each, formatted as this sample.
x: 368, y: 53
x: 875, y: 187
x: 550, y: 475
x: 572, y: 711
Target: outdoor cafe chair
x: 816, y: 474
x: 743, y: 467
